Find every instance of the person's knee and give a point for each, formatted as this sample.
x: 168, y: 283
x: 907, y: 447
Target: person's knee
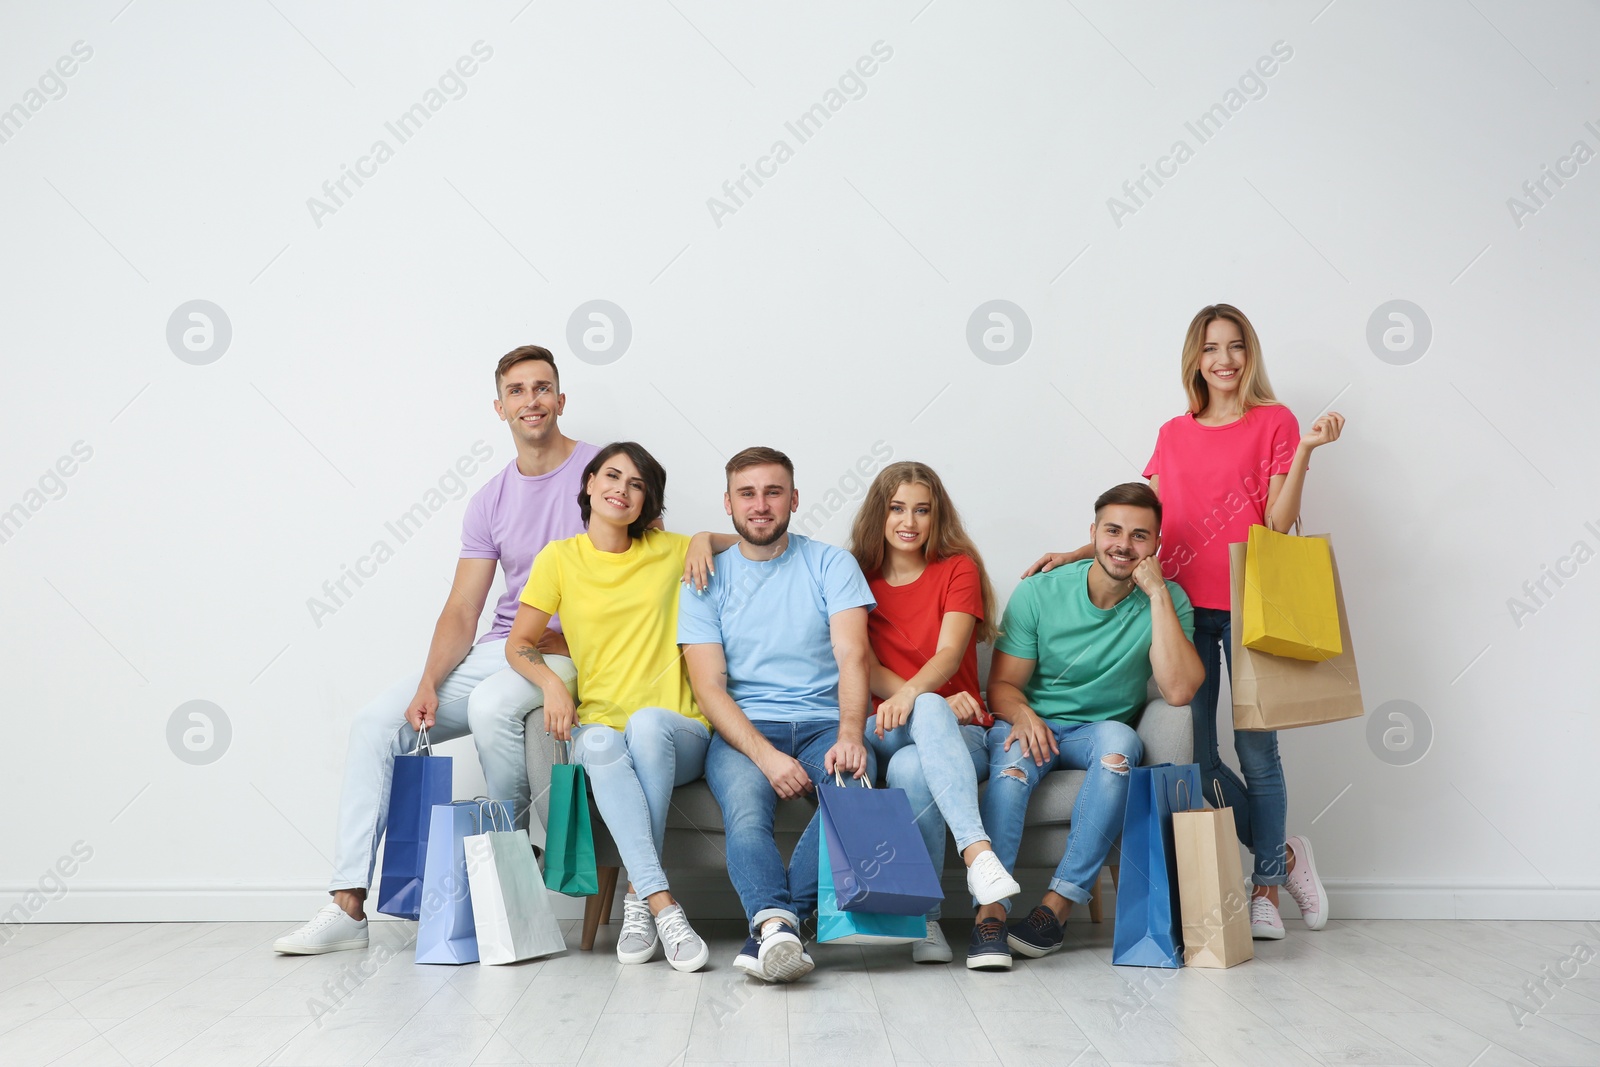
x: 649, y: 723
x: 905, y: 772
x: 502, y: 699
x: 1119, y: 746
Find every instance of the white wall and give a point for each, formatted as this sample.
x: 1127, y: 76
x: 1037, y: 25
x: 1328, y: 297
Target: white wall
x: 826, y: 313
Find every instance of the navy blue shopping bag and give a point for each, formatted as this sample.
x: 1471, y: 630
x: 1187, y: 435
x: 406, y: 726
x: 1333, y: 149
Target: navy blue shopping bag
x: 1149, y: 920
x: 420, y: 781
x: 877, y: 855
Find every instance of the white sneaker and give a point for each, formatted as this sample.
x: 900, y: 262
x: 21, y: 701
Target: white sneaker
x: 330, y: 930
x: 638, y: 940
x: 1265, y: 922
x: 988, y: 880
x: 685, y: 949
x: 933, y: 948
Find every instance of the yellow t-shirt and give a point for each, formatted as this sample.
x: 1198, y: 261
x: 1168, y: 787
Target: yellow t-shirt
x: 619, y: 611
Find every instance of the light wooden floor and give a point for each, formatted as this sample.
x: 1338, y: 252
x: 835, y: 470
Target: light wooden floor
x: 1359, y: 992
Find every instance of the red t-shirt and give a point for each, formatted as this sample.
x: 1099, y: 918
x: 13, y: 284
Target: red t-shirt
x: 1213, y: 483
x: 904, y: 627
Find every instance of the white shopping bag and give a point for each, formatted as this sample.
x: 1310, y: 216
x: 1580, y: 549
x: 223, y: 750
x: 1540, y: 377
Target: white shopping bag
x: 510, y: 904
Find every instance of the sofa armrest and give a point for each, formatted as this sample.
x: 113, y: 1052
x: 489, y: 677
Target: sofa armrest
x: 1167, y: 733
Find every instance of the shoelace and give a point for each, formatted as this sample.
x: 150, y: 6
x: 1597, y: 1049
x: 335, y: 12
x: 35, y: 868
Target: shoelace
x: 635, y: 918
x: 992, y: 928
x: 326, y: 916
x: 674, y: 928
x: 1263, y: 910
x: 1041, y: 919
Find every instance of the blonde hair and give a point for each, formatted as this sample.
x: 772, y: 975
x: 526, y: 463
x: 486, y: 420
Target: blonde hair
x: 946, y: 535
x: 1254, y: 388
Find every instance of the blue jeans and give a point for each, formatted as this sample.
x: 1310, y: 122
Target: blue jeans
x: 766, y: 888
x: 939, y: 763
x: 1096, y: 814
x: 632, y: 773
x: 1260, y: 803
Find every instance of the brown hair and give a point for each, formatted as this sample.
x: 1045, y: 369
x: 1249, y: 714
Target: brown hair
x: 520, y: 355
x: 1134, y: 494
x: 651, y: 473
x: 946, y: 535
x: 758, y: 456
x: 1254, y: 389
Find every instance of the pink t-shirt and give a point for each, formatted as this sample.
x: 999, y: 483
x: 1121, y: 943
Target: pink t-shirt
x: 1213, y: 483
x: 513, y: 516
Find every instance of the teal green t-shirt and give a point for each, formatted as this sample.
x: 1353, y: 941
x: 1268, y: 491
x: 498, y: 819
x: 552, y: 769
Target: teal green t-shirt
x: 1092, y: 663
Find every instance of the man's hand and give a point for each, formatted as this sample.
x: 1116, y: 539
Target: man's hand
x: 1048, y: 562
x: 786, y: 774
x: 552, y: 643
x: 849, y: 757
x: 895, y: 711
x: 1036, y: 738
x: 424, y: 706
x: 966, y: 707
x: 560, y: 714
x: 1147, y: 576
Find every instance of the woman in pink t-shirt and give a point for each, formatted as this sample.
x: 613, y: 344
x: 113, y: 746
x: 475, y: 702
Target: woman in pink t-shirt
x: 1235, y: 459
x: 934, y: 603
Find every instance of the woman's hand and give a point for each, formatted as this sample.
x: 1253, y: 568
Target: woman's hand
x: 966, y: 707
x: 1048, y: 562
x: 697, y: 565
x: 560, y: 713
x: 895, y: 711
x: 1324, y: 431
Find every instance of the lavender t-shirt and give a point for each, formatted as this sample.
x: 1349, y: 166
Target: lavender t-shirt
x: 513, y: 516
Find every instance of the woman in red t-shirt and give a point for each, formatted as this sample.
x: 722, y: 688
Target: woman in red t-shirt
x: 934, y: 604
x: 1234, y: 460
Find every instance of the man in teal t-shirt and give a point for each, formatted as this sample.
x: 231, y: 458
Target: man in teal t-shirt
x: 1078, y: 647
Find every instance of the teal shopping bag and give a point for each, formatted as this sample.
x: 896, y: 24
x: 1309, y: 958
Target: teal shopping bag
x: 569, y: 839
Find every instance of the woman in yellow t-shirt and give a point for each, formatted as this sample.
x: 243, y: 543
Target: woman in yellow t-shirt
x: 637, y: 730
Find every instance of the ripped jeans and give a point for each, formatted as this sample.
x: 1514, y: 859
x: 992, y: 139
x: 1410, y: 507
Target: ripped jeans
x: 1096, y: 814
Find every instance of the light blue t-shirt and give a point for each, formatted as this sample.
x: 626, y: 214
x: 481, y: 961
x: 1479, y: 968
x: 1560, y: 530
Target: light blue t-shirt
x: 771, y: 619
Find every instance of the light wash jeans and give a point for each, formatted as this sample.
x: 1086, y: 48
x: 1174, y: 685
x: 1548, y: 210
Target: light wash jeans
x: 766, y: 887
x: 1096, y: 814
x: 483, y: 696
x: 632, y: 773
x: 1260, y: 803
x: 939, y: 763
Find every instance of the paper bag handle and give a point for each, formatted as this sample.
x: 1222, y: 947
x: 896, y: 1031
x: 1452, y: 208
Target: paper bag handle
x: 422, y: 743
x: 838, y: 780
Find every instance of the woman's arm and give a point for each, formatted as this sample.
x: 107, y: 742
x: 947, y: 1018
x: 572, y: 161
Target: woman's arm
x: 1283, y: 494
x: 955, y: 631
x: 703, y: 546
x: 1051, y: 560
x: 522, y: 653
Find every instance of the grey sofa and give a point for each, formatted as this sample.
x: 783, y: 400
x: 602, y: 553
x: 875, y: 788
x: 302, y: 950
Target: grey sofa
x: 694, y: 842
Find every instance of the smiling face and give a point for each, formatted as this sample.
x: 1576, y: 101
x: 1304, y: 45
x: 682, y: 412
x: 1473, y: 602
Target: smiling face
x: 909, y: 518
x: 1124, y: 534
x: 616, y: 491
x: 761, y: 499
x: 1223, y: 356
x: 529, y: 401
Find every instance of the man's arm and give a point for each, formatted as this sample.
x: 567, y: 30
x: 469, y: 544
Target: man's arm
x: 1007, y: 675
x: 452, y: 635
x: 852, y: 652
x: 708, y: 677
x: 1177, y: 667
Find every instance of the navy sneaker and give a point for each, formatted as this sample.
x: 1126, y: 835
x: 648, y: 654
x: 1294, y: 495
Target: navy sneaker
x: 749, y: 958
x: 782, y: 955
x: 987, y: 950
x: 1038, y: 935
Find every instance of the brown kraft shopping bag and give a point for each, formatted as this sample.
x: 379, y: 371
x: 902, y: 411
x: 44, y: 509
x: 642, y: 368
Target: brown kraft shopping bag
x: 1211, y: 890
x: 1277, y: 693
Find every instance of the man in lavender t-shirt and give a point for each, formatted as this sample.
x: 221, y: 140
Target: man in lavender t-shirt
x: 465, y: 686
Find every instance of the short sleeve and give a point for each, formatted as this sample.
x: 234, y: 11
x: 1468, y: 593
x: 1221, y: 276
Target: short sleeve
x: 1285, y: 439
x: 700, y: 614
x: 1185, y: 610
x: 1153, y: 468
x: 843, y: 585
x: 673, y: 545
x: 543, y: 589
x: 963, y: 590
x: 1020, y: 624
x: 477, y: 540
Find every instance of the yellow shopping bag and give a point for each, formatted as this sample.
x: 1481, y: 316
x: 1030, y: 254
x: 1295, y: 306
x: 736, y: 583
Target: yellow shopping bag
x: 1289, y: 605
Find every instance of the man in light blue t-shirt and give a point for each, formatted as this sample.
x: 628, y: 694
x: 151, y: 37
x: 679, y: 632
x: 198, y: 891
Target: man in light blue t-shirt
x: 777, y: 653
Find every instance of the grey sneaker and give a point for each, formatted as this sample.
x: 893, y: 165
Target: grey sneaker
x: 684, y: 948
x: 638, y: 940
x: 933, y: 948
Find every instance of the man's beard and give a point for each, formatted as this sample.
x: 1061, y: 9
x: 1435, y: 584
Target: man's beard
x: 779, y: 527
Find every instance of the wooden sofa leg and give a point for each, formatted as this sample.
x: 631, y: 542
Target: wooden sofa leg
x: 597, y: 909
x: 1114, y: 869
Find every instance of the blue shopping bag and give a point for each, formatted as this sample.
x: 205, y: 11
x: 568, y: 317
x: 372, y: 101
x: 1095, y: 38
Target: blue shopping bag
x: 420, y: 781
x: 879, y: 861
x: 446, y: 932
x: 858, y: 927
x: 1149, y: 919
